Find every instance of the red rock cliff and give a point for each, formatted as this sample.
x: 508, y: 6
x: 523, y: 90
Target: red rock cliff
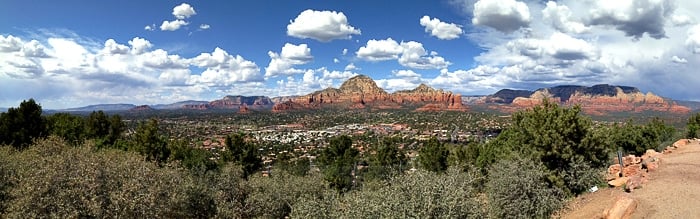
x: 361, y: 92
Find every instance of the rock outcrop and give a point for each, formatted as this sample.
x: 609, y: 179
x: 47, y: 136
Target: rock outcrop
x: 506, y: 96
x: 141, y: 108
x: 234, y: 103
x: 595, y: 100
x: 623, y: 208
x: 362, y: 92
x: 203, y: 106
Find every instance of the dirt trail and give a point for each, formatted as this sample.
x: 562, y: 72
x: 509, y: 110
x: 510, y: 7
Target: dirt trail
x: 673, y: 191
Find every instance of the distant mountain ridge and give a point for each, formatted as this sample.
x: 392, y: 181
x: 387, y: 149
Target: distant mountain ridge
x: 361, y: 92
x: 178, y: 105
x: 234, y: 102
x: 103, y: 107
x: 597, y: 99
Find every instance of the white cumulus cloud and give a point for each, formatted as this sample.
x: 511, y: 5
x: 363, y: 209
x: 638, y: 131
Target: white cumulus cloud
x: 439, y: 29
x: 172, y: 25
x: 634, y: 18
x: 351, y: 67
x: 183, y: 11
x: 693, y: 40
x: 410, y: 54
x: 679, y: 60
x: 323, y: 26
x: 415, y: 56
x: 406, y: 74
x: 504, y: 15
x: 223, y: 69
x: 380, y: 50
x: 562, y: 18
x: 291, y: 55
x: 68, y: 72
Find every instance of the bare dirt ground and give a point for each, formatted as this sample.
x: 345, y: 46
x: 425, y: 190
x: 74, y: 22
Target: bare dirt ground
x: 673, y: 191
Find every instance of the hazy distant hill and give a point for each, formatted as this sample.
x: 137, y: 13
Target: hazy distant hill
x: 103, y: 107
x: 178, y: 105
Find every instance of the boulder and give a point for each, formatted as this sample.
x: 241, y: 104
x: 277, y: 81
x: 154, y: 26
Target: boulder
x: 631, y: 159
x: 632, y: 170
x: 618, y: 182
x: 681, y: 142
x: 633, y: 183
x: 668, y: 150
x: 649, y: 154
x: 651, y: 164
x: 613, y: 172
x: 623, y: 207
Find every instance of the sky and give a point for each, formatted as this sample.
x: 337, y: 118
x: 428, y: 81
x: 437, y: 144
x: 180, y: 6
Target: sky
x: 78, y: 52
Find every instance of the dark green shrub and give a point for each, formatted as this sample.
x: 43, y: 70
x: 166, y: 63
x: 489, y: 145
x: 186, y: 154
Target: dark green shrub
x: 433, y: 156
x: 520, y: 189
x: 693, y: 126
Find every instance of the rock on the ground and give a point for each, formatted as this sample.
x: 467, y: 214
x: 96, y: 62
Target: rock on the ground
x: 631, y: 160
x: 632, y: 170
x: 681, y: 142
x: 618, y: 182
x: 633, y: 183
x: 623, y: 208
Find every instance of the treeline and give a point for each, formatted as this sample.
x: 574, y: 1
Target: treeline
x: 89, y: 167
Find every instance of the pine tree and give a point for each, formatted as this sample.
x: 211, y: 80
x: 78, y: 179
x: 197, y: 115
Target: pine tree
x: 338, y: 162
x: 433, y: 156
x: 150, y: 143
x: 555, y: 136
x: 19, y: 126
x: 693, y: 126
x: 242, y: 153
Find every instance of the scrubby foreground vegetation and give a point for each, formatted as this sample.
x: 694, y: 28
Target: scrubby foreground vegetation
x: 66, y: 166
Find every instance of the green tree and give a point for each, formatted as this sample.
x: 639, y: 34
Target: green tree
x: 636, y: 139
x: 555, y: 136
x: 234, y: 146
x: 242, y: 153
x: 693, y: 126
x: 105, y: 130
x: 97, y: 125
x: 116, y: 128
x: 464, y: 156
x: 387, y: 161
x: 69, y: 127
x: 19, y: 126
x: 191, y: 158
x: 433, y: 156
x: 338, y: 162
x: 150, y: 143
x: 299, y: 166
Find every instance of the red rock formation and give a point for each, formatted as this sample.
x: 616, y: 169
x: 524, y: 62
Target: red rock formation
x: 616, y: 100
x: 243, y: 109
x: 361, y: 92
x: 235, y: 102
x: 141, y: 108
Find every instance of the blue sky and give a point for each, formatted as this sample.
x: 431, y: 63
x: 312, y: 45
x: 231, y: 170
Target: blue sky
x: 74, y: 53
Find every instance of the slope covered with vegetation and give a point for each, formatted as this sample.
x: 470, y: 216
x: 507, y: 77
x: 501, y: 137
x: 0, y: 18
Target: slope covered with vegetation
x: 71, y: 166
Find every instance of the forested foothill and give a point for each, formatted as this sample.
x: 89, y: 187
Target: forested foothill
x: 97, y: 165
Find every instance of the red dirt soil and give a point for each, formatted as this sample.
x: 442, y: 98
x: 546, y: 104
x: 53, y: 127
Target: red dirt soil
x: 673, y: 190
